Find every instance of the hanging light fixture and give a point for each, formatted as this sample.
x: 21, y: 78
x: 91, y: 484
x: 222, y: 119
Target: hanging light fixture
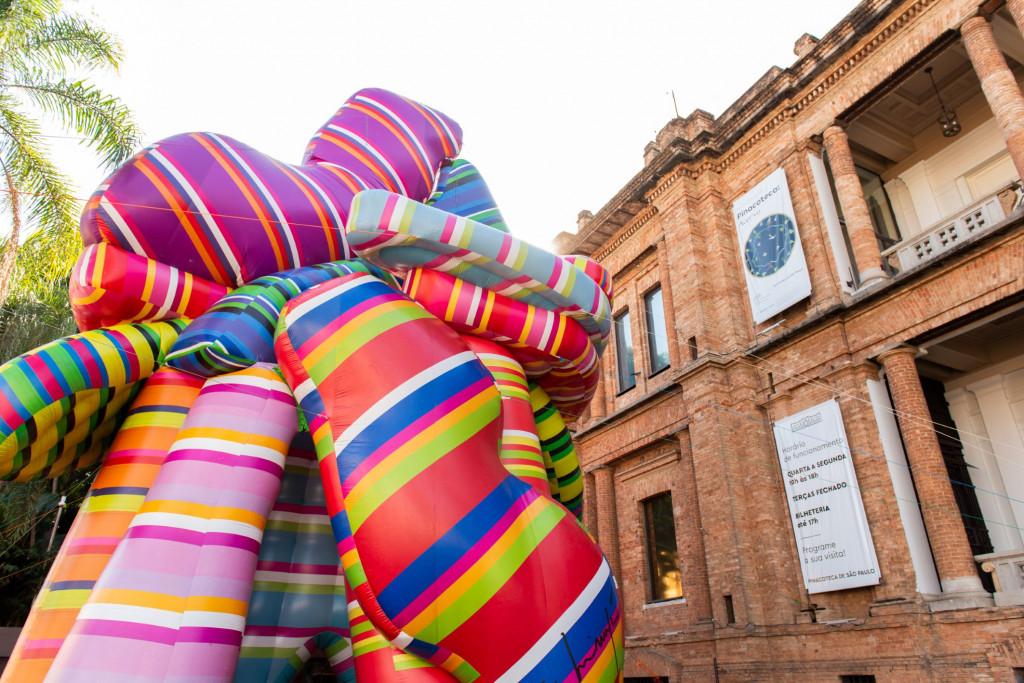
x: 949, y: 122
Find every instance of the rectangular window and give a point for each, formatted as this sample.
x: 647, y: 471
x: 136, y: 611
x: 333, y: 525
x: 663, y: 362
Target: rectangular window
x: 858, y: 678
x: 657, y: 335
x: 624, y: 352
x: 662, y: 557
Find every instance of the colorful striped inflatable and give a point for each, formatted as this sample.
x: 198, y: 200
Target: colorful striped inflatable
x: 239, y: 329
x: 398, y: 233
x: 110, y: 285
x: 461, y: 190
x: 172, y: 602
x: 520, y: 445
x: 60, y: 403
x: 379, y: 661
x: 356, y: 468
x: 219, y: 209
x: 595, y: 271
x: 559, y: 454
x: 422, y: 433
x: 552, y: 347
x: 117, y: 493
x: 298, y: 605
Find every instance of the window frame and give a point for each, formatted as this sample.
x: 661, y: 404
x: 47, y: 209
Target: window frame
x: 650, y: 549
x: 652, y: 371
x: 620, y: 389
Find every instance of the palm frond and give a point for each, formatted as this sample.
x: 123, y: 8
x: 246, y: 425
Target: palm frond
x: 43, y: 259
x: 45, y: 191
x: 18, y: 18
x: 103, y: 119
x: 62, y: 41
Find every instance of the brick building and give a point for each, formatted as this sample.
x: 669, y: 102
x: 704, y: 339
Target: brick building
x: 900, y: 139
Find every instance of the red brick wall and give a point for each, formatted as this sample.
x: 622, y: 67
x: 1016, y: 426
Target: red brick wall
x: 701, y: 429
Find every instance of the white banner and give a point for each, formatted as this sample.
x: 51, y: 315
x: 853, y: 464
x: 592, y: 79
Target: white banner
x: 825, y: 506
x: 773, y: 259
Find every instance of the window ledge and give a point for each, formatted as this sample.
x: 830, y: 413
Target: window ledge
x: 658, y: 372
x: 663, y: 603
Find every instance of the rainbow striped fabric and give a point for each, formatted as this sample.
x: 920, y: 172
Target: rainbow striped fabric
x: 110, y: 285
x: 379, y: 661
x: 563, y: 465
x: 239, y: 329
x: 61, y: 403
x: 461, y: 190
x: 387, y: 141
x: 298, y: 604
x: 595, y: 271
x: 427, y: 414
x: 401, y: 504
x: 520, y: 445
x: 398, y: 233
x: 553, y: 348
x: 175, y: 593
x: 222, y: 211
x: 117, y: 493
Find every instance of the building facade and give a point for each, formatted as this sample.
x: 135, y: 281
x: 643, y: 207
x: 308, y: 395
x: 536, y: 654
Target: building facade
x: 805, y: 459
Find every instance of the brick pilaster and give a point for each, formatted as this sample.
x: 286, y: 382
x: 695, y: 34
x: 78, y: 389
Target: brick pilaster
x: 597, y: 404
x: 855, y: 209
x: 607, y: 517
x: 674, y: 338
x: 589, y: 503
x: 952, y: 552
x: 997, y: 82
x: 695, y: 565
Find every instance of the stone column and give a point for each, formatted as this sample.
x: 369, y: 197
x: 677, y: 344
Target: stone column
x: 674, y: 338
x: 986, y: 475
x: 607, y: 519
x: 946, y: 535
x: 995, y: 406
x: 855, y: 209
x: 998, y: 84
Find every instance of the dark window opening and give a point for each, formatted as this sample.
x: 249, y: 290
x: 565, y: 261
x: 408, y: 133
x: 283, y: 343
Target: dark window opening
x: 730, y: 610
x: 657, y: 333
x: 666, y: 582
x: 857, y: 678
x: 692, y: 345
x: 624, y: 353
x: 959, y: 474
x: 883, y: 219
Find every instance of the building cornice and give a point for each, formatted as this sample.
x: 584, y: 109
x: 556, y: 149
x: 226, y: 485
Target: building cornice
x: 691, y: 147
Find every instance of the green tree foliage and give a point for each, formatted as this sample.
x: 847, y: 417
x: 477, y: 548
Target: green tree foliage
x: 28, y: 520
x: 42, y: 49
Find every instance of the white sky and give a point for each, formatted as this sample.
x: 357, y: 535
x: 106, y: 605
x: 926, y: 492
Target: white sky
x: 556, y: 99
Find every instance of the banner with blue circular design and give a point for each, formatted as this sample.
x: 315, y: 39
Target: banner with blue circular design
x: 773, y: 260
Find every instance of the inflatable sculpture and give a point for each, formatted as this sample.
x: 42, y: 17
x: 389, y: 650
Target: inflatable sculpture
x: 328, y: 401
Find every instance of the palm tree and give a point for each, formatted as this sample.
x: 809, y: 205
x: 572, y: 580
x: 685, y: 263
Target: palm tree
x: 42, y: 49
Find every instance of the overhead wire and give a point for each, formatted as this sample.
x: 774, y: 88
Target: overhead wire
x: 730, y: 355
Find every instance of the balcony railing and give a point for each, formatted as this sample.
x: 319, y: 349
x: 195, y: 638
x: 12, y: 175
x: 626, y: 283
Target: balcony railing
x: 1007, y: 569
x: 948, y: 234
